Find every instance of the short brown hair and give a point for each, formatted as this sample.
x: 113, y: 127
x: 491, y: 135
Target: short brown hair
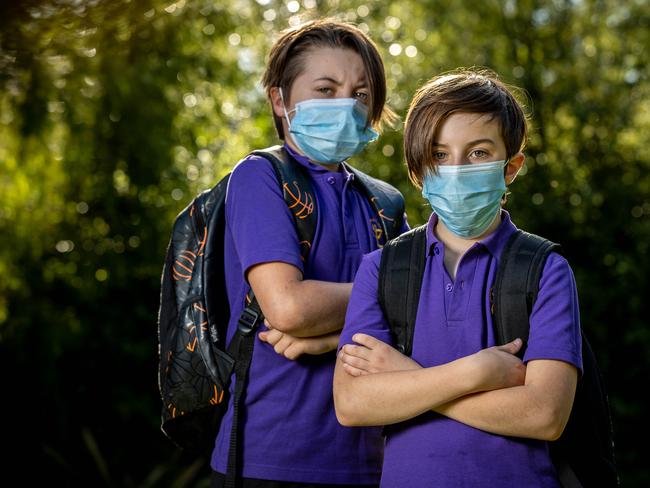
x: 285, y: 62
x: 463, y: 90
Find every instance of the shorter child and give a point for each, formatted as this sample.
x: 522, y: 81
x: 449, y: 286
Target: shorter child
x: 461, y: 411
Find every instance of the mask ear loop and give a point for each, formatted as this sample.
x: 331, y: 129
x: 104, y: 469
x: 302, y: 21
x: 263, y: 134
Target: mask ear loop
x: 284, y: 107
x: 504, y: 198
x: 505, y: 169
x: 286, y: 116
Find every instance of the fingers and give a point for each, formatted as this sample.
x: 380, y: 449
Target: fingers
x: 352, y: 360
x: 351, y: 370
x: 292, y: 352
x: 360, y: 352
x: 283, y: 344
x: 367, y: 340
x: 512, y: 347
x: 270, y: 336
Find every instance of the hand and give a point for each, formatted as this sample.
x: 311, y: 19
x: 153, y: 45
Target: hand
x: 293, y: 347
x: 371, y: 355
x: 498, y: 367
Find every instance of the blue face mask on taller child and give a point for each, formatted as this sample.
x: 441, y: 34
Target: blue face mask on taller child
x: 330, y: 130
x: 467, y: 197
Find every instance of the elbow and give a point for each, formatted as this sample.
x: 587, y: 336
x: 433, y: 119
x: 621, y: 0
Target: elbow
x: 286, y: 316
x: 346, y: 416
x: 349, y: 422
x: 346, y: 409
x: 554, y: 431
x: 550, y: 434
x: 552, y: 424
x: 344, y: 419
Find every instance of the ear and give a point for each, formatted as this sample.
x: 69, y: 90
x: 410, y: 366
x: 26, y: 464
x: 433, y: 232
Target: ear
x: 276, y: 101
x: 514, y: 165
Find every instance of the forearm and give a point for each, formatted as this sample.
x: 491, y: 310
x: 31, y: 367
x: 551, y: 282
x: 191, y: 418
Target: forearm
x: 311, y: 308
x: 321, y: 307
x: 391, y: 397
x: 301, y: 308
x: 509, y: 411
x: 538, y: 409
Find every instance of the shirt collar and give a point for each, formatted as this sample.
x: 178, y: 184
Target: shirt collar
x: 432, y: 240
x: 494, y: 243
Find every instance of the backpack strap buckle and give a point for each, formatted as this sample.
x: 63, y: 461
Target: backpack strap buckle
x: 248, y: 321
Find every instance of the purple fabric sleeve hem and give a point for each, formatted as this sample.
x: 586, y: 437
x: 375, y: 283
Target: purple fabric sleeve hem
x: 287, y: 258
x: 556, y: 355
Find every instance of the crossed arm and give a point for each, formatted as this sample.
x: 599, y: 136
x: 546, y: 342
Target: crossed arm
x: 491, y: 390
x: 303, y: 316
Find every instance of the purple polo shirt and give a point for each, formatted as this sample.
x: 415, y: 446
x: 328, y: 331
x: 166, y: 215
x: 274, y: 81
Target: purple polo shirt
x: 290, y: 431
x: 453, y: 321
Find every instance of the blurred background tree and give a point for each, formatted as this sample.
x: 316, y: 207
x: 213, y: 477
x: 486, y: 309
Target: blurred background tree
x: 113, y: 114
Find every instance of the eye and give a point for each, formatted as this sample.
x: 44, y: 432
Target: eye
x: 439, y: 156
x: 362, y: 96
x: 478, y: 154
x: 325, y: 90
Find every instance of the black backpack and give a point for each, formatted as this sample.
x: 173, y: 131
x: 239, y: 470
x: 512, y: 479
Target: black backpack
x: 584, y: 453
x: 195, y: 362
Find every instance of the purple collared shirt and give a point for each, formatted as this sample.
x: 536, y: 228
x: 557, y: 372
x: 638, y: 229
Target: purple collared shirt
x: 290, y: 431
x: 453, y: 321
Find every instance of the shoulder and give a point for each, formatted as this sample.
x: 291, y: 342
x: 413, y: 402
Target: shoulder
x: 252, y: 166
x: 372, y: 259
x: 555, y: 266
x: 387, y: 199
x: 374, y: 182
x: 253, y: 178
x: 543, y: 255
x: 367, y: 274
x: 557, y: 282
x: 378, y: 187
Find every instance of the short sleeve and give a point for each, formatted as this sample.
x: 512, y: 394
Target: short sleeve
x: 364, y: 314
x: 555, y: 318
x: 257, y: 217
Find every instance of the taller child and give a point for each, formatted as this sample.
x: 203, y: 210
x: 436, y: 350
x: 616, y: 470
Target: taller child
x: 326, y: 84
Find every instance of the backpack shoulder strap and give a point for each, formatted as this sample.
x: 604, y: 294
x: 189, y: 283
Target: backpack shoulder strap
x: 584, y: 454
x: 517, y: 283
x: 298, y: 193
x: 299, y: 196
x: 400, y: 279
x: 385, y: 199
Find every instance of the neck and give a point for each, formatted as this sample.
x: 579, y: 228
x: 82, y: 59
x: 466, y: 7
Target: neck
x: 334, y: 167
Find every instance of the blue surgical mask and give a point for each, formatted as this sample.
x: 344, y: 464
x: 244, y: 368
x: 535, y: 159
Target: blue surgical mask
x: 330, y: 130
x: 466, y: 198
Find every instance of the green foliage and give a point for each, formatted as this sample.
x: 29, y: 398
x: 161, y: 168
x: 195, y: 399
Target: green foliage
x: 113, y: 114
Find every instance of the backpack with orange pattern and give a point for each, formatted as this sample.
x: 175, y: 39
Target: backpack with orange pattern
x: 196, y: 364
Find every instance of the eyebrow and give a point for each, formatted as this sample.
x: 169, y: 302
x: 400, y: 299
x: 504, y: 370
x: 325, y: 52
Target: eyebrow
x: 361, y: 84
x: 471, y: 143
x: 482, y: 141
x: 327, y: 78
